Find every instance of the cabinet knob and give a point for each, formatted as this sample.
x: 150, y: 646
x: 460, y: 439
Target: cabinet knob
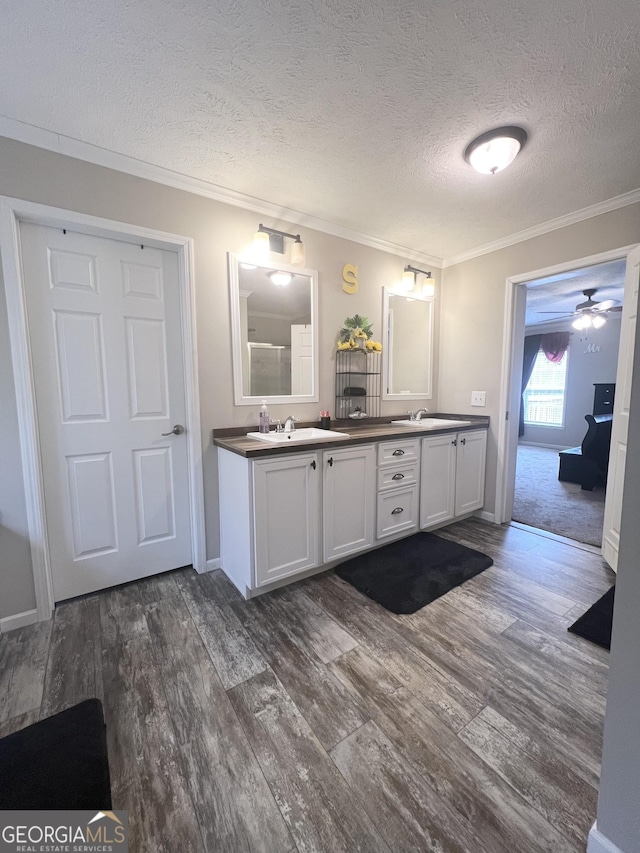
x: 313, y: 464
x: 463, y: 441
x: 397, y: 510
x: 398, y: 452
x: 398, y: 477
x: 330, y: 461
x: 454, y: 442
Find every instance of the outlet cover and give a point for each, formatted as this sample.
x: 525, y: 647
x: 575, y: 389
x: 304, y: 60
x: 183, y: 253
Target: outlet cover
x: 478, y: 398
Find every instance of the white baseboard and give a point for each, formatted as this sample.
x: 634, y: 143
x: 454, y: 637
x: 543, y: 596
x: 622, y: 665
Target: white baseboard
x: 18, y: 620
x: 599, y: 843
x: 212, y: 565
x: 486, y: 516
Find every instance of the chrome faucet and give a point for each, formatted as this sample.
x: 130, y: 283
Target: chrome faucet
x: 290, y: 424
x: 420, y: 413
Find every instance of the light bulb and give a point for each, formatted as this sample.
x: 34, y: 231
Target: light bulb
x: 260, y: 249
x: 297, y: 254
x: 582, y: 322
x: 598, y: 321
x: 408, y: 280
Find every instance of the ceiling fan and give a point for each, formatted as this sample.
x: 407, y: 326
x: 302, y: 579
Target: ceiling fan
x: 590, y: 314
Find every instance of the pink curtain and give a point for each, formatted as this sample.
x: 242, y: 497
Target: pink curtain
x: 554, y: 345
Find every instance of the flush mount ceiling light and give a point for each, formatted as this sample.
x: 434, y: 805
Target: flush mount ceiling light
x: 281, y: 279
x: 267, y: 240
x: 494, y: 150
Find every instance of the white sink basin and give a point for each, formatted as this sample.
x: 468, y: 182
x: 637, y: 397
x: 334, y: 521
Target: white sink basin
x: 298, y: 436
x: 431, y: 423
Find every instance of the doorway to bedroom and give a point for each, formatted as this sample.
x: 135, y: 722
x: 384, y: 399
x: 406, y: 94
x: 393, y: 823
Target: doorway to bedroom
x: 571, y: 340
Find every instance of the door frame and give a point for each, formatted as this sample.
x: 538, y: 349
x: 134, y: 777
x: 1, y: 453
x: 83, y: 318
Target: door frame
x: 12, y: 212
x: 511, y: 370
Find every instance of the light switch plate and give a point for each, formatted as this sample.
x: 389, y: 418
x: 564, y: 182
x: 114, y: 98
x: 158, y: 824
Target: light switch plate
x: 478, y: 398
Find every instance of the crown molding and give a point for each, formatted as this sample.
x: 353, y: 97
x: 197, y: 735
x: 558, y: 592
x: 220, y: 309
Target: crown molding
x: 601, y: 207
x: 70, y: 147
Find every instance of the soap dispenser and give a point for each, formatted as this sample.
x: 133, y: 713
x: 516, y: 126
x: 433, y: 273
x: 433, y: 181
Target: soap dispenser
x: 264, y: 421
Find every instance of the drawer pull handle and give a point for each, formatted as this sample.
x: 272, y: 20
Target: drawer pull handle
x: 454, y: 442
x: 397, y: 510
x: 330, y: 461
x: 463, y: 441
x: 398, y: 477
x: 398, y: 452
x: 313, y: 464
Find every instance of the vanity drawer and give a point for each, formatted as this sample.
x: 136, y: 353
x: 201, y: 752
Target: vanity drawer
x: 400, y: 451
x: 397, y: 511
x: 398, y: 476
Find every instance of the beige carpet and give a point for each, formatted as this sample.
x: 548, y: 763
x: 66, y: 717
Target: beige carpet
x: 543, y: 501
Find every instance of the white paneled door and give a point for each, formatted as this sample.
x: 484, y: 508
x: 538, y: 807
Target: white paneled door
x: 105, y: 336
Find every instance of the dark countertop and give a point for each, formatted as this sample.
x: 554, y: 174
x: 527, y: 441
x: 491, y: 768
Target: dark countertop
x: 235, y: 438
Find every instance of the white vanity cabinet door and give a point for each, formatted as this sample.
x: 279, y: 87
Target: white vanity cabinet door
x: 286, y: 515
x: 348, y: 500
x: 437, y: 479
x: 470, y: 470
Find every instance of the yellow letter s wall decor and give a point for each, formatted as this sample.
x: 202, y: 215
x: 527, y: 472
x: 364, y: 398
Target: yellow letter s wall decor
x: 350, y: 278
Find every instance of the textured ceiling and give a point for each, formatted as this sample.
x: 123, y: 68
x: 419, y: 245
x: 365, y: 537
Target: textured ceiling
x: 353, y: 111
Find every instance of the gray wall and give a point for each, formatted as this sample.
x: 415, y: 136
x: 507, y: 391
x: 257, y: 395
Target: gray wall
x: 48, y: 178
x: 583, y: 369
x: 16, y: 577
x: 472, y: 309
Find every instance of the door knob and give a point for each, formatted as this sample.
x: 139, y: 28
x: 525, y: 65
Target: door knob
x: 177, y: 430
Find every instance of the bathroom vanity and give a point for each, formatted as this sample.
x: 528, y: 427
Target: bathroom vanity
x: 287, y: 510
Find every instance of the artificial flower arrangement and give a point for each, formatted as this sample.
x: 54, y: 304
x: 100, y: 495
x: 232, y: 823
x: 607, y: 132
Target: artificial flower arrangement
x: 356, y: 335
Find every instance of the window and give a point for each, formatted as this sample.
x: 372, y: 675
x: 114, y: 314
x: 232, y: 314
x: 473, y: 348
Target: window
x: 545, y: 393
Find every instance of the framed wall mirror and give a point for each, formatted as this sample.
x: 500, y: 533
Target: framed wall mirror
x: 274, y: 333
x: 407, y: 364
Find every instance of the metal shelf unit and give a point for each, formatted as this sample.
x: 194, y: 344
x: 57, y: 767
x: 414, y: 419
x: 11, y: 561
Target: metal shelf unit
x: 358, y: 383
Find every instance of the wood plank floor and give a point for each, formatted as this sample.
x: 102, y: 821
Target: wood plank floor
x: 311, y: 719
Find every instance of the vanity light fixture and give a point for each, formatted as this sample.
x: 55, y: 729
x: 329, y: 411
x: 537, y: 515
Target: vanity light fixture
x: 496, y: 149
x: 281, y: 279
x: 410, y: 277
x: 267, y: 240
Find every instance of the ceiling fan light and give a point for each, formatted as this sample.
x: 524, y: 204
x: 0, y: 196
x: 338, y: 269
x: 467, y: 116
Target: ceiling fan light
x: 496, y: 149
x: 582, y: 322
x: 598, y: 321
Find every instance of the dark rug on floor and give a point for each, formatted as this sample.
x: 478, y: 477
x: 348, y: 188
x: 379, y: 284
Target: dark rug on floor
x: 595, y: 624
x: 406, y: 575
x: 58, y: 763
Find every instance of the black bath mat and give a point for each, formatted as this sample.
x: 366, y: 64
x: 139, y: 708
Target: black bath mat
x: 57, y: 763
x: 595, y: 624
x: 406, y: 575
